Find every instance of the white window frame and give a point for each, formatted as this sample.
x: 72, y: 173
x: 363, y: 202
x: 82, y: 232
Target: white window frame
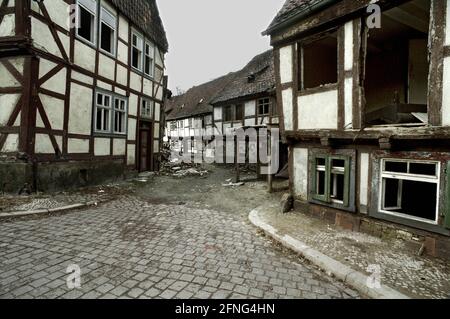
x: 140, y: 41
x: 151, y: 55
x: 151, y: 105
x: 113, y: 25
x: 123, y: 112
x: 103, y: 108
x: 86, y: 4
x: 408, y: 177
x: 268, y: 104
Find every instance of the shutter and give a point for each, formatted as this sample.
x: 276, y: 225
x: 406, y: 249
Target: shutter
x: 447, y: 199
x: 90, y: 5
x: 109, y: 19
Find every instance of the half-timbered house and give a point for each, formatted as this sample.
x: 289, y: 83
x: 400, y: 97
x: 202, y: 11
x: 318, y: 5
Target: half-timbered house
x: 81, y: 91
x: 363, y: 90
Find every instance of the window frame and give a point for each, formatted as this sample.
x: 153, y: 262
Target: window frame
x: 409, y: 177
x: 139, y: 36
x: 114, y: 28
x: 112, y: 111
x: 268, y: 104
x: 94, y: 24
x: 152, y: 47
x: 123, y: 112
x: 151, y: 104
x: 326, y: 198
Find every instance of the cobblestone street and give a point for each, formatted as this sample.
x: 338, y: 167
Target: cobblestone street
x: 133, y: 248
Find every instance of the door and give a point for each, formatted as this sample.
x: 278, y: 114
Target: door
x: 145, y: 148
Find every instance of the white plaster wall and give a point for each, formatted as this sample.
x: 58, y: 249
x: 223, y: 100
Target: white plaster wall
x: 85, y: 56
x: 250, y: 108
x: 59, y: 12
x: 364, y: 181
x: 147, y: 87
x: 106, y: 67
x: 300, y: 181
x: 348, y: 100
x: 43, y: 39
x: 156, y: 146
x: 136, y: 82
x: 54, y: 108
x: 102, y: 146
x: 133, y: 104
x: 120, y: 91
x: 43, y: 144
x: 250, y: 122
x: 218, y: 114
x: 318, y: 111
x: 286, y: 67
x: 8, y: 26
x: 159, y: 57
x: 103, y: 85
x: 56, y: 83
x: 288, y: 109
x: 157, y: 112
x: 156, y: 130
x: 11, y: 144
x: 159, y: 93
x: 446, y: 93
x: 122, y: 52
x: 123, y: 28
x: 119, y: 147
x: 77, y: 146
x: 6, y: 78
x: 80, y: 114
x: 348, y: 64
x: 7, y: 104
x: 132, y: 129
x: 82, y: 78
x: 122, y: 75
x: 131, y: 155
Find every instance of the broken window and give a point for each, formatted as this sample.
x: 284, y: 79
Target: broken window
x: 396, y: 71
x: 108, y: 31
x: 136, y: 51
x: 264, y: 106
x: 332, y: 179
x: 87, y: 17
x: 318, y: 62
x: 410, y: 189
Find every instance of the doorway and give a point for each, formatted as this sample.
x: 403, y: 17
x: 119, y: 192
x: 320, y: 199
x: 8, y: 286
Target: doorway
x: 145, y: 147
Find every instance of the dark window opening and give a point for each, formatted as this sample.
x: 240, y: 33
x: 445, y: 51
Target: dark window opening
x: 337, y: 186
x: 264, y: 107
x: 107, y: 38
x: 86, y: 24
x: 412, y: 198
x: 228, y: 113
x: 423, y: 169
x: 396, y: 70
x: 239, y: 112
x: 319, y: 62
x: 396, y: 167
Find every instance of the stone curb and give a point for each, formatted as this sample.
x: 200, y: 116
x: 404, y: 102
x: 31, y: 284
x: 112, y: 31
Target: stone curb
x: 353, y: 278
x: 47, y: 211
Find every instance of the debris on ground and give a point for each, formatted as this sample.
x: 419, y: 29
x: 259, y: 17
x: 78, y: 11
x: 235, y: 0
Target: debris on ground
x: 231, y: 184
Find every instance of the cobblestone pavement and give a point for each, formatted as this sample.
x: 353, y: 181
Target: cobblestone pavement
x: 129, y: 248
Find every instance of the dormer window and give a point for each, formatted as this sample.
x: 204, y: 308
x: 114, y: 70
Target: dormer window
x: 87, y: 20
x: 108, y: 26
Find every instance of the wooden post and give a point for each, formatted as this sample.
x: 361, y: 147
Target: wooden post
x: 236, y: 159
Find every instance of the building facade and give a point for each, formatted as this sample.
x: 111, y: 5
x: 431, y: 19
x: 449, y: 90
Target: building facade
x: 81, y: 91
x: 363, y: 95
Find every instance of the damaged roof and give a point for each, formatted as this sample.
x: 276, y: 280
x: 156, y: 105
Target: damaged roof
x: 197, y: 100
x: 293, y: 9
x: 145, y: 14
x: 258, y: 76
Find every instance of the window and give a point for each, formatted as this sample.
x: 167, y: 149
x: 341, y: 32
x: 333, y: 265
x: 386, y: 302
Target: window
x: 149, y: 65
x: 120, y: 116
x: 147, y: 109
x: 331, y: 182
x: 264, y: 106
x: 318, y: 65
x: 103, y: 113
x: 228, y: 113
x: 87, y: 19
x: 108, y: 26
x: 208, y: 120
x: 173, y: 126
x: 239, y: 112
x: 136, y: 51
x: 410, y: 189
x: 110, y: 114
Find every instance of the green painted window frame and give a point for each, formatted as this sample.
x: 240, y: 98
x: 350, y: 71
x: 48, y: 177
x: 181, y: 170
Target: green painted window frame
x: 326, y: 198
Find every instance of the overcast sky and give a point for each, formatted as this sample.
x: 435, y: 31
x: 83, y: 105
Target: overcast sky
x: 210, y: 38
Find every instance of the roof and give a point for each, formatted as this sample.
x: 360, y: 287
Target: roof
x: 145, y: 15
x: 292, y: 8
x: 260, y: 70
x: 197, y: 100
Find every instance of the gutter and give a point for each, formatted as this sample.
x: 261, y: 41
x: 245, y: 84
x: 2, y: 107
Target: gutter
x: 309, y: 10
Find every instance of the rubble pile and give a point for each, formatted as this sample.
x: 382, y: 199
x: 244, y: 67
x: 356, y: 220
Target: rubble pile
x: 179, y: 169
